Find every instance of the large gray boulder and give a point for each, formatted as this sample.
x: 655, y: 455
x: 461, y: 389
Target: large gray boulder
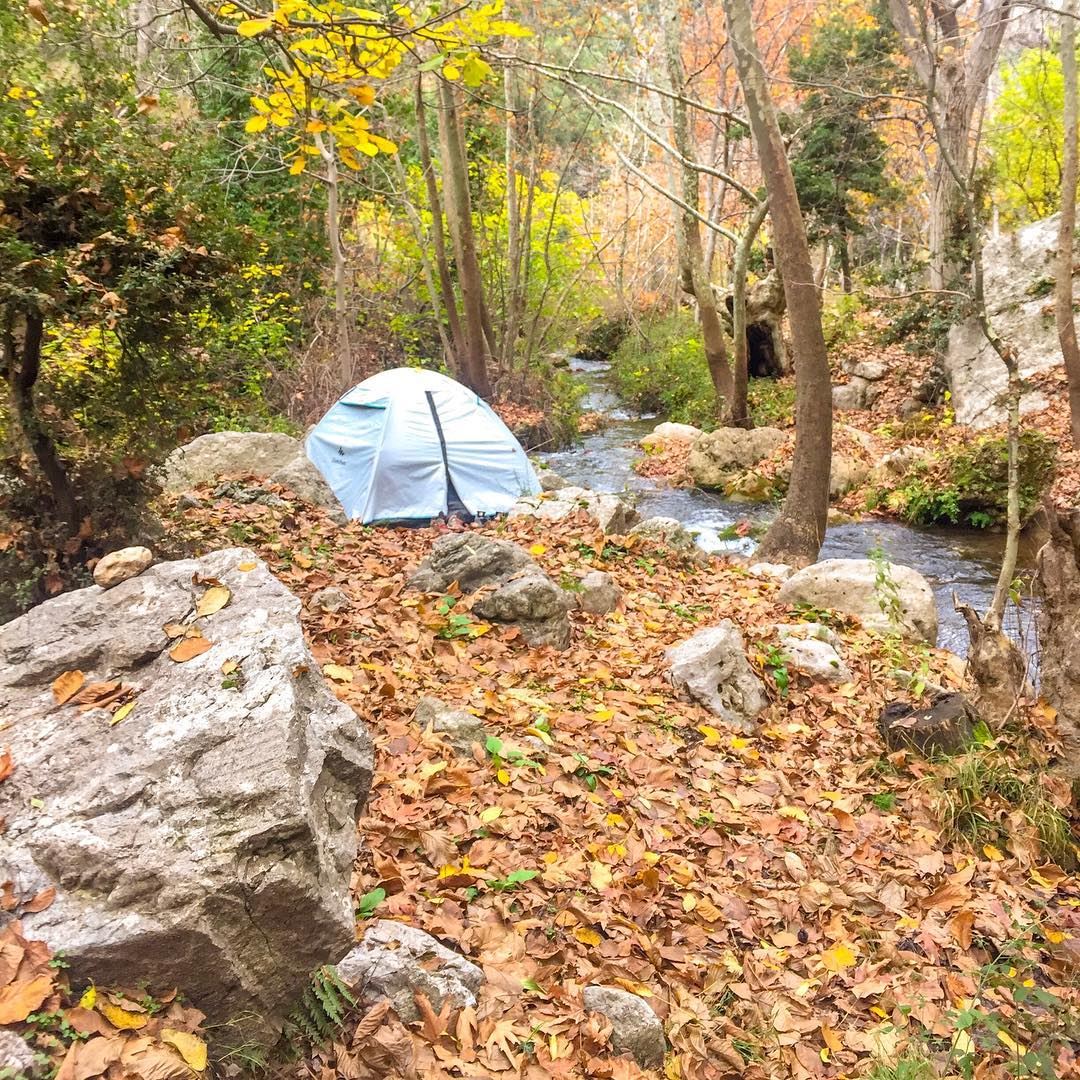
x: 228, y: 453
x: 300, y: 476
x: 718, y: 455
x: 516, y: 591
x: 204, y: 838
x: 670, y: 434
x: 1018, y: 271
x: 851, y: 586
x: 711, y: 668
x: 398, y: 962
x: 635, y: 1028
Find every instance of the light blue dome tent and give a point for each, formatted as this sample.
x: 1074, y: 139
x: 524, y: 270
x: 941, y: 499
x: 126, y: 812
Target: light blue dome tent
x: 409, y: 444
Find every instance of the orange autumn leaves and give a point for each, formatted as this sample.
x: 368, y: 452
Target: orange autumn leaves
x: 748, y: 887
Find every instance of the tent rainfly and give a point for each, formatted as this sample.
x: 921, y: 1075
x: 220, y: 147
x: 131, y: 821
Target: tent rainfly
x: 411, y: 444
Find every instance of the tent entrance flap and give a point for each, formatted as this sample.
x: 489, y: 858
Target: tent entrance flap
x: 453, y: 500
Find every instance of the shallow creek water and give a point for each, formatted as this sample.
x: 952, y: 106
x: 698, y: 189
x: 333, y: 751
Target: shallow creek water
x: 954, y: 560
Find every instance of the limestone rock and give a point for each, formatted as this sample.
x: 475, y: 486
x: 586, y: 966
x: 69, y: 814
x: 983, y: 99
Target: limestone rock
x: 1018, y: 280
x: 946, y: 726
x: 462, y: 729
x: 670, y: 434
x: 716, y: 456
x: 331, y: 600
x: 599, y: 594
x: 635, y: 1028
x: 532, y: 602
x: 776, y: 571
x: 901, y: 461
x: 120, y: 565
x: 671, y: 533
x: 16, y: 1055
x: 189, y: 501
x: 711, y: 668
x: 869, y: 370
x: 845, y: 474
x: 551, y: 480
x: 856, y: 393
x: 305, y: 481
x: 186, y: 840
x: 609, y: 511
x: 471, y: 559
x: 521, y: 594
x: 398, y: 962
x: 227, y: 453
x: 850, y: 586
x: 812, y: 648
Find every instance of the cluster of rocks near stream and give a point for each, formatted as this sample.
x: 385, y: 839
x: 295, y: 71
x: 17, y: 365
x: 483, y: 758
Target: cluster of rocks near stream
x: 207, y: 840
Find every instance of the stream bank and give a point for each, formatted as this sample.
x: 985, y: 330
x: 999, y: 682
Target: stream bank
x: 955, y: 560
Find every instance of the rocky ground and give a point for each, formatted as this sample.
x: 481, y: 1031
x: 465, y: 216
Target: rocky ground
x: 889, y: 434
x: 620, y: 874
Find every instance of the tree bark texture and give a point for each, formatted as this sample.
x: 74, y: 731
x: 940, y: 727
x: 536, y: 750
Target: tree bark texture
x: 954, y: 63
x: 1058, y: 567
x: 691, y: 252
x: 796, y: 535
x: 459, y: 217
x: 22, y: 363
x: 1063, y: 297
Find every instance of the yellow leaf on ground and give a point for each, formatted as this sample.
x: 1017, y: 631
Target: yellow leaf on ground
x: 67, y: 686
x: 992, y: 853
x: 244, y: 567
x: 338, y: 673
x: 191, y: 1047
x: 89, y: 997
x: 124, y: 710
x: 503, y: 776
x: 490, y: 814
x: 712, y: 736
x: 794, y: 812
x: 600, y: 876
x: 214, y: 599
x: 587, y: 936
x: 122, y: 1018
x: 189, y: 648
x: 839, y: 957
x: 537, y: 549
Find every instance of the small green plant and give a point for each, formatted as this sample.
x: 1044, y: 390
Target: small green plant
x: 367, y: 904
x: 978, y: 793
x: 501, y: 754
x: 591, y: 773
x: 885, y: 801
x: 322, y: 1011
x: 512, y: 880
x: 776, y: 661
x: 1010, y: 1012
x: 910, y: 1065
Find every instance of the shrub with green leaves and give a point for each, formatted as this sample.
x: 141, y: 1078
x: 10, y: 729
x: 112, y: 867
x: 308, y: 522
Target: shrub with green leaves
x: 665, y: 371
x: 971, y: 487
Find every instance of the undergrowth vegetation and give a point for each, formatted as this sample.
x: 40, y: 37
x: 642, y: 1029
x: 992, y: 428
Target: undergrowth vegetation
x: 968, y: 483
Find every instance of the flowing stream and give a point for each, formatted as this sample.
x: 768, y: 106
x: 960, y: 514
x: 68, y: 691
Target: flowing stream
x: 954, y: 560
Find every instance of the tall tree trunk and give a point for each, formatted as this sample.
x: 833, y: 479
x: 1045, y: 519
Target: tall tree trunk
x: 692, y: 256
x: 22, y: 364
x: 442, y: 264
x: 459, y: 218
x: 954, y: 66
x: 845, y: 262
x: 337, y: 257
x: 1063, y: 298
x: 740, y: 411
x: 797, y: 533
